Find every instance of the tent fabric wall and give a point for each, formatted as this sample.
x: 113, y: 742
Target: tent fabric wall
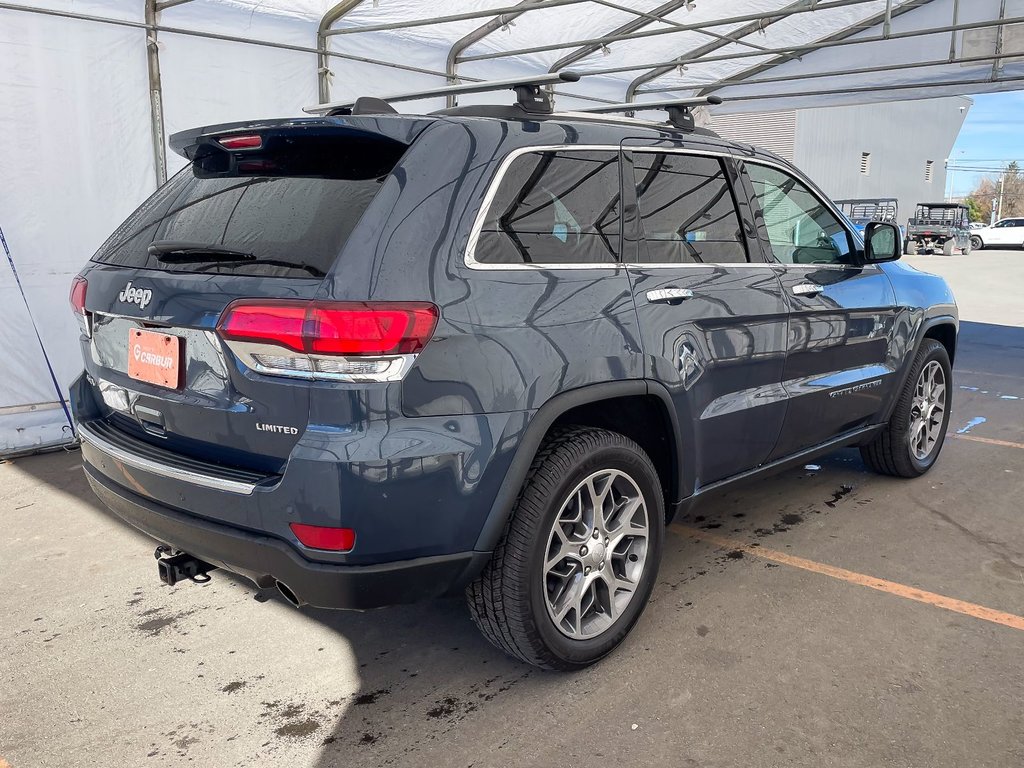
x: 77, y: 156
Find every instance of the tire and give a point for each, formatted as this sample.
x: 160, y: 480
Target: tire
x: 892, y: 452
x: 976, y: 243
x: 948, y: 247
x: 911, y: 249
x: 515, y: 599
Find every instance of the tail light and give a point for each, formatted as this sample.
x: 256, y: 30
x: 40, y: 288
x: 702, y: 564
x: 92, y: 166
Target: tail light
x: 340, y: 341
x: 77, y: 298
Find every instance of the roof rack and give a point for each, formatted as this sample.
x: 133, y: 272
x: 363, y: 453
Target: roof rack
x: 679, y: 113
x: 529, y: 95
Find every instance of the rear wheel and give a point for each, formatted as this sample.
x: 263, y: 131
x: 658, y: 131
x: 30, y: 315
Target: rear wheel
x: 911, y: 248
x: 976, y: 243
x: 913, y: 438
x: 948, y: 247
x: 577, y: 562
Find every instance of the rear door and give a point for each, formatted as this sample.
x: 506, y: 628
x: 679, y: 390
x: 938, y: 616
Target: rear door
x: 267, y: 221
x: 712, y: 315
x: 840, y: 366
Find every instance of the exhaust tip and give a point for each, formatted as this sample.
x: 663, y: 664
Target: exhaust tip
x: 287, y: 594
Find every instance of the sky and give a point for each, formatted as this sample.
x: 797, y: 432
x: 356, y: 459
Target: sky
x: 993, y: 131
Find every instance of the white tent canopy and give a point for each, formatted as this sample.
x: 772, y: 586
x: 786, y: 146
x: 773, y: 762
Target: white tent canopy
x: 90, y: 89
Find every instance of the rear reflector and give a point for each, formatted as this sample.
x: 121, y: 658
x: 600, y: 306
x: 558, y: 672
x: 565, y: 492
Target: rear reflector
x: 326, y: 328
x: 254, y: 141
x: 321, y: 537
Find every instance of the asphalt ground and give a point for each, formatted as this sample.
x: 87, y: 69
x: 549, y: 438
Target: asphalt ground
x: 823, y: 617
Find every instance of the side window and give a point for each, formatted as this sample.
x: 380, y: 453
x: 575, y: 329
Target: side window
x: 801, y: 229
x: 687, y: 210
x: 554, y: 208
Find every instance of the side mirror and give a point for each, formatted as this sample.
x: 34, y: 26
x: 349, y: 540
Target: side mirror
x: 882, y: 242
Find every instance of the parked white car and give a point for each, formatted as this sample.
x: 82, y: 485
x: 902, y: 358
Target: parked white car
x: 1005, y: 232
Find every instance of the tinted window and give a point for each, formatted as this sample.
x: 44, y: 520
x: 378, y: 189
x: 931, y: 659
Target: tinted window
x: 687, y: 210
x: 554, y: 208
x: 278, y: 224
x: 801, y: 228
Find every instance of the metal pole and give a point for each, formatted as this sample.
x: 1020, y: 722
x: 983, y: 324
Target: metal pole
x: 1002, y: 185
x: 478, y: 34
x: 799, y: 50
x: 880, y: 87
x: 697, y: 53
x: 831, y: 73
x: 431, y: 21
x: 838, y: 37
x: 952, y: 35
x: 156, y: 107
x: 323, y: 59
x: 997, y: 65
x: 630, y: 26
x: 604, y: 40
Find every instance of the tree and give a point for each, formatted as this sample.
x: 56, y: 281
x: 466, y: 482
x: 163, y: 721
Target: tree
x: 975, y: 210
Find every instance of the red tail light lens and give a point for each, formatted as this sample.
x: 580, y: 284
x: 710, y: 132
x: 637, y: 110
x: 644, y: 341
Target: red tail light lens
x: 254, y: 141
x: 370, y: 329
x: 278, y: 323
x: 323, y: 328
x: 77, y: 298
x: 322, y: 537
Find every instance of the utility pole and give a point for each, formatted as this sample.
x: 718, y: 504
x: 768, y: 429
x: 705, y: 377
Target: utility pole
x: 1002, y: 183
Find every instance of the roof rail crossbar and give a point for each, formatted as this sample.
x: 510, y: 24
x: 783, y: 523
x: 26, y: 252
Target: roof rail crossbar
x: 679, y: 110
x: 529, y: 93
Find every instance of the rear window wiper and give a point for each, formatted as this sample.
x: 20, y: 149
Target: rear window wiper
x: 313, y: 271
x: 183, y: 252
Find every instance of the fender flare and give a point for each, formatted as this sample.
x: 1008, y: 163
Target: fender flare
x: 537, y: 428
x: 922, y: 333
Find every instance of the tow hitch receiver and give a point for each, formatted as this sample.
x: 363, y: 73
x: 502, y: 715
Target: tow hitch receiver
x: 182, y: 566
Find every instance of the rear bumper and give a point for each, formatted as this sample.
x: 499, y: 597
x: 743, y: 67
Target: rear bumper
x: 266, y: 560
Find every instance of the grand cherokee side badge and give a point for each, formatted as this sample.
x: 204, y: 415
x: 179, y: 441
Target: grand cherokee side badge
x: 131, y: 295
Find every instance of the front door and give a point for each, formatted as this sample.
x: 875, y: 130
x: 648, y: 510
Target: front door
x: 712, y: 315
x: 1007, y: 232
x: 841, y: 366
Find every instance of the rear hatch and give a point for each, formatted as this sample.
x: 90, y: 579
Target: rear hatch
x: 262, y: 211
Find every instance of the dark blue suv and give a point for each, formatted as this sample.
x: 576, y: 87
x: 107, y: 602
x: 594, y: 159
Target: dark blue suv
x: 373, y: 358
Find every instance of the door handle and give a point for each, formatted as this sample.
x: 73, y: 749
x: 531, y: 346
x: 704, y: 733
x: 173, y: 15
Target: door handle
x: 669, y: 295
x: 807, y: 289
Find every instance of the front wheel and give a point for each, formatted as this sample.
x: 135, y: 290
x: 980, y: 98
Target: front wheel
x: 976, y: 243
x: 910, y: 443
x: 577, y: 562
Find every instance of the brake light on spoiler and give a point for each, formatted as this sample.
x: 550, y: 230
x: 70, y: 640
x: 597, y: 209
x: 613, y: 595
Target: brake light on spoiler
x: 335, y: 341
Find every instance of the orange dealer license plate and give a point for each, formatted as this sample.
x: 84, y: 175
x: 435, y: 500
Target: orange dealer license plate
x: 154, y: 357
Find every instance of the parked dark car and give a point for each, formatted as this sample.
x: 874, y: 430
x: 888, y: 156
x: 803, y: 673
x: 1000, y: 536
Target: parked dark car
x: 370, y: 359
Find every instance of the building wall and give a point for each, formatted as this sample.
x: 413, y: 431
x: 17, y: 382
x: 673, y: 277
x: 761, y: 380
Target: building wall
x: 828, y: 145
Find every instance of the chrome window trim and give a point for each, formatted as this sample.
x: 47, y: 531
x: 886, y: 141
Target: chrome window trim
x: 164, y: 470
x: 470, y: 261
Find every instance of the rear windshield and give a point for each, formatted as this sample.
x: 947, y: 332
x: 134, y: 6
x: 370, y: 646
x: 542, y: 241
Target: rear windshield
x: 285, y: 211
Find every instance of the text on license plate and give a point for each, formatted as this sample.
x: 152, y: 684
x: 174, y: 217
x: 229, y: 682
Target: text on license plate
x: 154, y: 357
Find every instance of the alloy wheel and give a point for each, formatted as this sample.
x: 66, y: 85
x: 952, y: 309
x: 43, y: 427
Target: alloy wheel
x: 596, y: 554
x: 927, y: 410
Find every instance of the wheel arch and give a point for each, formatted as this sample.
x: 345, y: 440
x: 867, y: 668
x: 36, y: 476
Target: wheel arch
x: 942, y: 328
x: 640, y: 409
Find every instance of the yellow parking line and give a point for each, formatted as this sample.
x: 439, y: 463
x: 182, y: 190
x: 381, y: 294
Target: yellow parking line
x: 988, y: 441
x: 852, y: 577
